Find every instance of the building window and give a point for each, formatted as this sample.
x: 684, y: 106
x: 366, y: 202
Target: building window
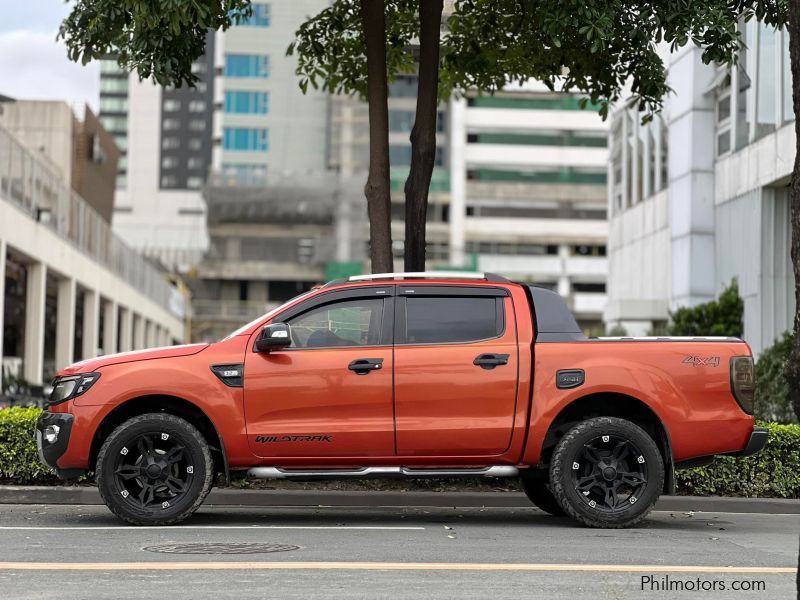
x: 247, y: 102
x: 766, y: 87
x: 194, y: 182
x: 195, y: 163
x: 589, y: 288
x: 244, y: 174
x: 403, y: 120
x: 169, y: 162
x: 114, y: 124
x: 197, y: 125
x: 246, y: 139
x: 247, y: 65
x: 170, y: 143
x: 405, y: 86
x: 197, y: 106
x: 113, y: 85
x: 261, y: 16
x: 195, y: 144
x: 109, y: 104
x: 169, y: 181
x: 788, y: 108
x: 171, y: 105
x: 170, y: 124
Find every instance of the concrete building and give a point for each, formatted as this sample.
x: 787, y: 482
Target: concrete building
x: 527, y: 192
x: 698, y: 197
x: 165, y: 135
x: 268, y: 244
x: 81, y: 151
x: 69, y: 289
x: 265, y: 128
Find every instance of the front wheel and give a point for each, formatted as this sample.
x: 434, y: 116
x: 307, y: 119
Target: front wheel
x: 606, y: 472
x: 154, y: 469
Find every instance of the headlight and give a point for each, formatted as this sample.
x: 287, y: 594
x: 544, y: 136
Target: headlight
x: 66, y: 388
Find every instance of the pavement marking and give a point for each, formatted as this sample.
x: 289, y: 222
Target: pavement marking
x: 178, y: 527
x: 381, y: 566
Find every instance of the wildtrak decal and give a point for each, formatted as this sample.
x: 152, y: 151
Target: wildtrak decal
x: 267, y: 439
x: 700, y: 361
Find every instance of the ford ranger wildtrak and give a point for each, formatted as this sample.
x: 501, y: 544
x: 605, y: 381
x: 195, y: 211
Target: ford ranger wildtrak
x: 406, y: 375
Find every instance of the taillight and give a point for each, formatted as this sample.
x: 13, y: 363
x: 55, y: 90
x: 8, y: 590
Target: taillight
x: 743, y: 382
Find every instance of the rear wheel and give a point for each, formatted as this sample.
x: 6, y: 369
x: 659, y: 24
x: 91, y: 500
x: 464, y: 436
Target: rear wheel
x: 537, y: 489
x: 154, y: 469
x: 607, y: 472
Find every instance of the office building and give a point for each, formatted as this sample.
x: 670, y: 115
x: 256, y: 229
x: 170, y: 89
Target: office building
x: 265, y: 128
x: 72, y: 141
x: 69, y: 288
x: 165, y: 139
x: 527, y: 192
x: 699, y: 196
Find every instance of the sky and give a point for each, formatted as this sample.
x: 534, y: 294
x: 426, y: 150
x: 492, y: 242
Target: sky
x: 33, y: 65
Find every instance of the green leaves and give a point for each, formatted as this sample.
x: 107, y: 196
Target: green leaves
x: 719, y: 317
x: 156, y: 39
x: 330, y: 48
x: 606, y: 48
x: 19, y: 459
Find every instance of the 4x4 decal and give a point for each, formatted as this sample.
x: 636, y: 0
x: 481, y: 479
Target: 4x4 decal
x: 700, y: 361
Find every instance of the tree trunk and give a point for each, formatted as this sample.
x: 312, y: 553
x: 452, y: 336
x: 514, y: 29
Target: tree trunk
x: 377, y: 189
x: 423, y: 135
x: 793, y: 365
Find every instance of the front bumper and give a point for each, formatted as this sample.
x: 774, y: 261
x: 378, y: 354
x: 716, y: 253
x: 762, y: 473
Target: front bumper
x: 50, y: 452
x: 756, y: 443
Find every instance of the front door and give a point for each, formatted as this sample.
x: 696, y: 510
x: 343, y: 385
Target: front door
x: 329, y: 394
x: 455, y: 370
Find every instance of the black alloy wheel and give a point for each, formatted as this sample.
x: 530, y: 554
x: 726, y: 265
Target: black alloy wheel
x: 154, y: 469
x: 606, y: 472
x: 609, y: 472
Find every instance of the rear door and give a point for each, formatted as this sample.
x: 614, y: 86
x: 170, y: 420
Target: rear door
x: 456, y: 368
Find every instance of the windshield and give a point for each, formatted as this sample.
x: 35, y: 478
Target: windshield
x: 244, y: 328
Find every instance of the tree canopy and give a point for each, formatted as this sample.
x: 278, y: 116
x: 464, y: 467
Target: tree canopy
x: 157, y: 40
x: 591, y: 46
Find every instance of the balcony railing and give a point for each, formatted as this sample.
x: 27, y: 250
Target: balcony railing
x: 233, y: 311
x: 28, y: 182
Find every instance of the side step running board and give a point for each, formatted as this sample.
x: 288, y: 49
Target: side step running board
x: 379, y: 472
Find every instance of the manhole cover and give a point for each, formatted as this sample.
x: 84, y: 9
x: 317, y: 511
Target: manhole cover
x: 220, y: 548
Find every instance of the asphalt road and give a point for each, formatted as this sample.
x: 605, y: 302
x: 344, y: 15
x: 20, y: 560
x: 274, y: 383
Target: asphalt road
x: 84, y: 552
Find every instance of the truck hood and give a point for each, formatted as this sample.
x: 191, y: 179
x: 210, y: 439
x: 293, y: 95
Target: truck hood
x: 92, y: 364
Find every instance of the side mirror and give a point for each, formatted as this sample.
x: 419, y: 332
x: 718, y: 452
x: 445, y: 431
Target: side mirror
x: 273, y: 337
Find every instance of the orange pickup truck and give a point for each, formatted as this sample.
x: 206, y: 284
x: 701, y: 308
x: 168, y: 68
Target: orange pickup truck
x: 406, y: 375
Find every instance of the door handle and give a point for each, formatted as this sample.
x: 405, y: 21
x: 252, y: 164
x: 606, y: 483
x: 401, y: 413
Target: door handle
x: 362, y: 366
x: 490, y: 361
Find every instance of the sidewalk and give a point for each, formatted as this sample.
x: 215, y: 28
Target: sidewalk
x: 236, y: 497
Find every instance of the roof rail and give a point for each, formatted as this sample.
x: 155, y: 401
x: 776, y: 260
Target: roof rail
x: 431, y: 275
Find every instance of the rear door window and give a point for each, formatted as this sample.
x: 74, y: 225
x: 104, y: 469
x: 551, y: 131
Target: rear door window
x: 452, y: 320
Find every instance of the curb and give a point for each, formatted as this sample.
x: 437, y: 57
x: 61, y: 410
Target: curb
x: 233, y: 497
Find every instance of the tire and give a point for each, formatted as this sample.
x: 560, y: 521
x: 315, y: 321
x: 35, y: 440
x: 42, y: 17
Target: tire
x: 607, y: 473
x: 154, y: 469
x: 537, y: 489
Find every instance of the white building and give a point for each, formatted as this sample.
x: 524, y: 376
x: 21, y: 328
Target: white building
x: 164, y: 135
x: 264, y: 126
x: 69, y: 288
x: 527, y: 192
x: 698, y: 197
